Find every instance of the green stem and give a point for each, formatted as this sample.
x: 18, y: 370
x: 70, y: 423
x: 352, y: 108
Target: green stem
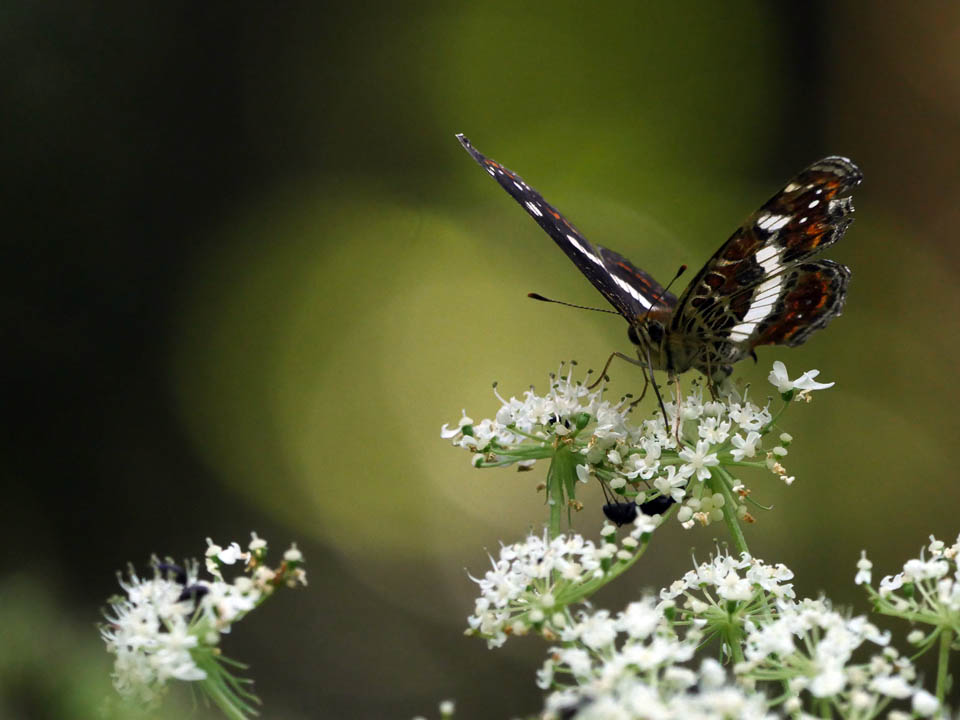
x: 725, y: 481
x: 946, y: 639
x: 773, y: 422
x: 561, y: 478
x: 554, y: 502
x: 735, y: 643
x: 735, y: 463
x: 824, y: 706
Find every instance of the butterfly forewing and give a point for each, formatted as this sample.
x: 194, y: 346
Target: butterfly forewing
x: 635, y: 281
x: 630, y: 290
x: 758, y: 289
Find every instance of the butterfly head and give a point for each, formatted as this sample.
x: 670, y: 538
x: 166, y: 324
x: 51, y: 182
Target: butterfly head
x: 649, y: 333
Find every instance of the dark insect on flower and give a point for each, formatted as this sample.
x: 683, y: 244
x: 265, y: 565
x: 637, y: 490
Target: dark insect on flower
x: 620, y: 513
x: 193, y: 592
x: 172, y: 572
x: 657, y: 506
x: 179, y: 575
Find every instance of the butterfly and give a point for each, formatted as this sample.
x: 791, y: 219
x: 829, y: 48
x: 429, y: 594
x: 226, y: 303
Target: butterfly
x: 761, y: 286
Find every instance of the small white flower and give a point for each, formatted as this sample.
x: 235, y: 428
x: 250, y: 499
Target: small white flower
x: 597, y: 631
x: 864, y: 567
x: 640, y: 619
x: 447, y: 432
x: 256, y: 543
x: 924, y: 703
x: 577, y: 659
x: 744, y: 447
x: 674, y: 483
x: 712, y: 674
x: 890, y: 583
x: 919, y: 569
x: 733, y: 587
x: 805, y: 383
x: 700, y: 459
x: 644, y: 525
x: 293, y: 554
x: 915, y: 637
x: 894, y: 686
x: 714, y: 431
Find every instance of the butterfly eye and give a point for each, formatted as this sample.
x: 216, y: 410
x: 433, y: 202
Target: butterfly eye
x: 655, y: 331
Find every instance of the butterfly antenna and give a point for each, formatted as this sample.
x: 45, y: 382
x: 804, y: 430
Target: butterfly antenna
x: 541, y: 298
x: 680, y: 271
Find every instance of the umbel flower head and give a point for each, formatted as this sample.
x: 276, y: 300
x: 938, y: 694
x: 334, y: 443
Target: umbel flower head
x: 795, y: 657
x: 167, y: 626
x: 532, y: 583
x: 682, y: 458
x: 926, y: 593
x: 816, y: 650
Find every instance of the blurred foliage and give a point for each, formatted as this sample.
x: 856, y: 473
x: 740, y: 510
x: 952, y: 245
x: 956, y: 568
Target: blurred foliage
x: 251, y: 273
x: 52, y: 664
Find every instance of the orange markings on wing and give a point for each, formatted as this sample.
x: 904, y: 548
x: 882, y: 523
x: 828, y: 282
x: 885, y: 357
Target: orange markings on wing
x: 803, y: 305
x: 634, y: 273
x: 739, y: 246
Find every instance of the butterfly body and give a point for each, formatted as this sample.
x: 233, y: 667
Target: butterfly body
x: 761, y: 287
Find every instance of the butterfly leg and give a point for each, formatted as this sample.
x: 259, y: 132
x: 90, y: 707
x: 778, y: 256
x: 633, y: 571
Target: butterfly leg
x: 656, y: 390
x: 646, y: 384
x: 603, y: 373
x: 676, y: 381
x: 710, y: 381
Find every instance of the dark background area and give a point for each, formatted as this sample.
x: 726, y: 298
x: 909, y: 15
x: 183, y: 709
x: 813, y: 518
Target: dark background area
x: 249, y: 273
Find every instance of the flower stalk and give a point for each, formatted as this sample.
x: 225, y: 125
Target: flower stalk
x: 943, y: 661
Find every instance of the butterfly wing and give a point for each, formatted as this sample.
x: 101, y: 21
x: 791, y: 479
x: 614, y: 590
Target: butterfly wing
x: 760, y: 288
x: 628, y: 288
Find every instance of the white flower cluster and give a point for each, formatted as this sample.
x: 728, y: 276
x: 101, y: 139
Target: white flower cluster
x: 934, y: 582
x: 726, y: 578
x: 926, y: 592
x: 636, y: 664
x: 168, y: 625
x: 632, y: 666
x: 811, y: 647
x: 653, y: 459
x: 522, y: 426
x: 665, y: 691
x: 532, y: 582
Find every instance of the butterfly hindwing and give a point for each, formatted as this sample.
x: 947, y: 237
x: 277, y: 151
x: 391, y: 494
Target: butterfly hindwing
x: 630, y: 290
x: 758, y: 288
x: 814, y: 293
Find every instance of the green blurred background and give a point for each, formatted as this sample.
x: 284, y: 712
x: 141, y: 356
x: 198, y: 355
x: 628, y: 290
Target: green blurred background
x: 250, y: 272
